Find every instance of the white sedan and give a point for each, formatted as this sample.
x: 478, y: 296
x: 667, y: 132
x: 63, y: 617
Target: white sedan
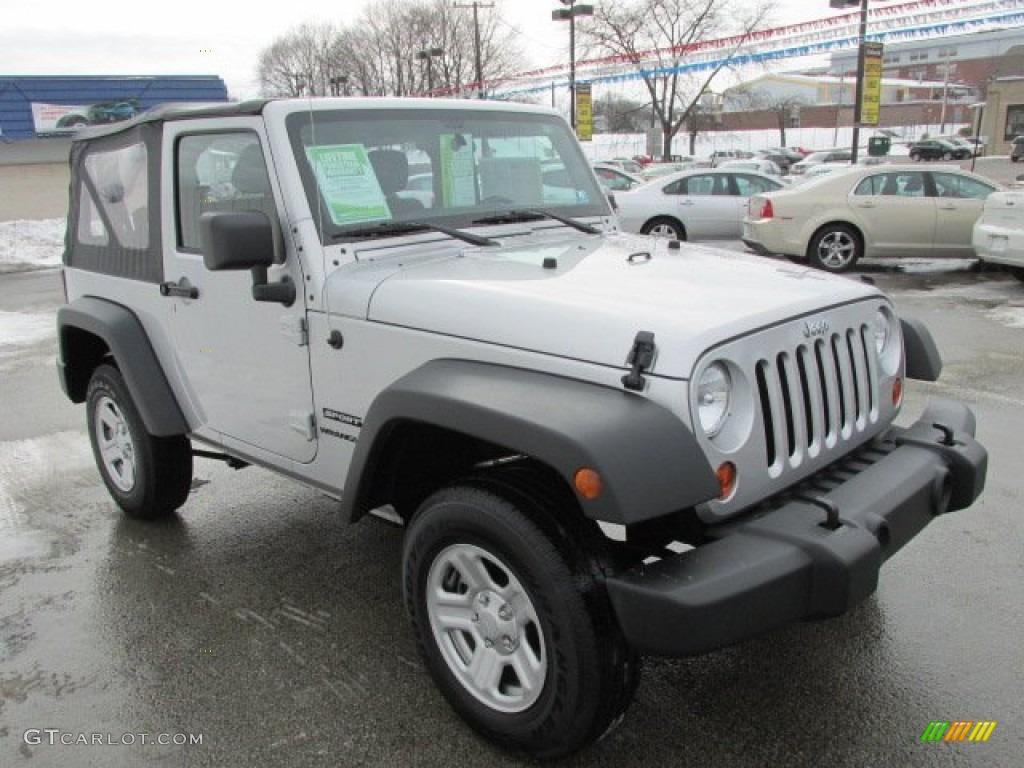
x: 881, y: 210
x: 999, y: 233
x: 705, y: 203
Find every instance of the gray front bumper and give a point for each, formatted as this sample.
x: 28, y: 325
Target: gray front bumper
x: 810, y: 553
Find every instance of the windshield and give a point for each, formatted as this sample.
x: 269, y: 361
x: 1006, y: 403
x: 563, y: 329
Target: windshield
x: 449, y: 167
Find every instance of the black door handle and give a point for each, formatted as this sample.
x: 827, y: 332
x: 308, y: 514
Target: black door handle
x: 181, y: 289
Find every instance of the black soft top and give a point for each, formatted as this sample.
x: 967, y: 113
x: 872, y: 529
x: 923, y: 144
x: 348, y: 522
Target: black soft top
x: 175, y: 111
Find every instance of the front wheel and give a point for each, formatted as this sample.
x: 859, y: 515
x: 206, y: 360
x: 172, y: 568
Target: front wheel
x: 664, y: 227
x: 148, y: 476
x: 914, y: 156
x: 947, y: 156
x: 512, y: 624
x: 834, y: 248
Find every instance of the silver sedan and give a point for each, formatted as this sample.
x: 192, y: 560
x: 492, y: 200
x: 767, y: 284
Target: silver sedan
x: 703, y: 203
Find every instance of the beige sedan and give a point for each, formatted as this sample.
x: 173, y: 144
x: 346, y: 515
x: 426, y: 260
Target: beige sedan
x: 882, y: 210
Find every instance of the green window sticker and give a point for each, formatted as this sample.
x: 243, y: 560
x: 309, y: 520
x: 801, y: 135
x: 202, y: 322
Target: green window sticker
x: 348, y: 183
x: 458, y: 172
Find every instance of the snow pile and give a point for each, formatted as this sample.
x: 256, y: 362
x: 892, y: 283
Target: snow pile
x: 23, y: 329
x: 31, y: 244
x: 1012, y: 317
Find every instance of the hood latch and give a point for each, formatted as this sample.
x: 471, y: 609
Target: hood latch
x: 641, y: 358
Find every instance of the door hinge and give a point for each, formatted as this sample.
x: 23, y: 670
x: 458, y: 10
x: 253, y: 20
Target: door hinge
x: 293, y: 328
x: 303, y: 422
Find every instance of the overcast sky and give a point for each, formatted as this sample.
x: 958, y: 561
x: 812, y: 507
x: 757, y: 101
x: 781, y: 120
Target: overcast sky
x: 114, y: 37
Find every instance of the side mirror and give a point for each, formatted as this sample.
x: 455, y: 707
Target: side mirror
x: 234, y: 240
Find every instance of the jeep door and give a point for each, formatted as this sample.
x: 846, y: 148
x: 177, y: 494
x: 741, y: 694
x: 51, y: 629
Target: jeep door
x: 244, y: 363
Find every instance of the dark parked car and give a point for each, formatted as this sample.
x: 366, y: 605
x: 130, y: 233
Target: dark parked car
x: 783, y: 159
x: 937, y: 149
x: 1017, y: 148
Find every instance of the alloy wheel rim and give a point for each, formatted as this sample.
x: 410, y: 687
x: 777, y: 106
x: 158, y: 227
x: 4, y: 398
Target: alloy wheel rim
x: 115, y: 444
x: 664, y: 230
x: 836, y: 249
x: 486, y: 628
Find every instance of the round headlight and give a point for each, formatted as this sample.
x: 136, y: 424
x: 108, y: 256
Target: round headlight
x: 714, y: 389
x: 885, y: 330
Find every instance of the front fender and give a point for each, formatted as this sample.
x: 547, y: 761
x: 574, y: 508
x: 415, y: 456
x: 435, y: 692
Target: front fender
x: 649, y: 461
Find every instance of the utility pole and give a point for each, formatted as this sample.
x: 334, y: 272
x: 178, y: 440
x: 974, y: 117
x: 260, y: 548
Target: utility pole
x: 476, y: 5
x: 859, y: 91
x: 945, y: 94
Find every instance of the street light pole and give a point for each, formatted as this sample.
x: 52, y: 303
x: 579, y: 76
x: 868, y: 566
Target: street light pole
x: 337, y: 83
x: 571, y: 12
x: 427, y: 54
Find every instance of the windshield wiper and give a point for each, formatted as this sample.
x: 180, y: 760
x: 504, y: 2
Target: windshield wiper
x: 389, y: 228
x: 532, y: 214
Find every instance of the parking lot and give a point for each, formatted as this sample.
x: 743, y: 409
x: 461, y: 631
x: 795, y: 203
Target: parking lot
x: 260, y: 624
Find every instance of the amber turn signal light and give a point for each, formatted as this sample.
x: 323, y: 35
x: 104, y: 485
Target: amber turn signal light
x: 726, y: 475
x: 588, y: 483
x: 897, y: 391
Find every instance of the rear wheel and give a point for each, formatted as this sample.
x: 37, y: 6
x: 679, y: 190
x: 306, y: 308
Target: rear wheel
x: 512, y: 624
x: 915, y: 156
x: 148, y: 476
x: 664, y: 227
x: 947, y: 156
x: 834, y: 248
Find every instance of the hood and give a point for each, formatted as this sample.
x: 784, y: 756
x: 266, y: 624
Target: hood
x: 586, y: 297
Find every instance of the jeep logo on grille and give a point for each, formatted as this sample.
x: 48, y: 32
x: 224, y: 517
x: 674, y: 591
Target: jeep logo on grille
x: 814, y: 328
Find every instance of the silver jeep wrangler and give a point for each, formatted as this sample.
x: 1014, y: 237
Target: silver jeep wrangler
x: 599, y: 445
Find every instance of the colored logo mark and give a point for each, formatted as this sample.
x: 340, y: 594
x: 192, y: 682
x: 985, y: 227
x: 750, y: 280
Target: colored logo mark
x: 958, y: 730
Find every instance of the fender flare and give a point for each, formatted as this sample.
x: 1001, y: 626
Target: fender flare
x: 649, y: 461
x: 126, y: 339
x: 924, y: 362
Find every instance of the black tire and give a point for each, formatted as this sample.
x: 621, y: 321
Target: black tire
x: 149, y: 477
x: 1017, y: 272
x: 663, y: 226
x: 915, y: 156
x: 835, y: 248
x: 467, y: 540
x: 947, y: 156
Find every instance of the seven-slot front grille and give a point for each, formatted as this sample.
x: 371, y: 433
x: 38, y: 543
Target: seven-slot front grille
x: 817, y: 396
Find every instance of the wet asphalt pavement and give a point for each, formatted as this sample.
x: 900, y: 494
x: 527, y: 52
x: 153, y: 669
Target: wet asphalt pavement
x: 261, y: 626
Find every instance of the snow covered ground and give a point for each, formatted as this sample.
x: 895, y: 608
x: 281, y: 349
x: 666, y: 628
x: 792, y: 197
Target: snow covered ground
x: 31, y: 244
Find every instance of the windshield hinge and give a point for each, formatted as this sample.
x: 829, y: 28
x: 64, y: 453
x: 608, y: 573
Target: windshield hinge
x: 293, y: 328
x: 641, y: 358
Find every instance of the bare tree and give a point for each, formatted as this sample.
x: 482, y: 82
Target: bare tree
x: 622, y: 115
x: 377, y: 54
x: 781, y: 105
x: 659, y: 37
x: 296, y: 64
